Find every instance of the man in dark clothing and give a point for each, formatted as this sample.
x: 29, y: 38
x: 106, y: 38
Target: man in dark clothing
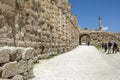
x: 105, y: 47
x: 115, y: 47
x: 88, y: 43
x: 109, y: 47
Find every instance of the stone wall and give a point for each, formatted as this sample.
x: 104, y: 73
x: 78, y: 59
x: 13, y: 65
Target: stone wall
x: 16, y: 63
x: 97, y: 37
x: 44, y: 25
x: 37, y: 24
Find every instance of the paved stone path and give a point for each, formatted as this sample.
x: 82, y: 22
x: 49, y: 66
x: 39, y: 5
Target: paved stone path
x: 82, y: 63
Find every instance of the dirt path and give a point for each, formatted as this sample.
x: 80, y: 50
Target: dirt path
x: 82, y: 63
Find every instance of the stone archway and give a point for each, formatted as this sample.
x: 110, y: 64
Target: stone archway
x: 81, y: 36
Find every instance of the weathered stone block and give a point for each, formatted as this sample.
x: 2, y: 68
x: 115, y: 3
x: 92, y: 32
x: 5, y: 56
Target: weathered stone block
x: 39, y: 56
x: 30, y: 74
x: 8, y: 12
x: 4, y: 56
x: 35, y: 59
x: 17, y: 77
x: 37, y: 39
x: 28, y: 53
x: 15, y: 54
x: 9, y: 2
x: 37, y: 52
x: 25, y: 75
x: 4, y: 79
x: 9, y: 69
x: 30, y: 64
x: 28, y: 4
x: 22, y: 66
x: 45, y: 56
x: 21, y: 44
x: 0, y: 70
x: 36, y: 45
x: 28, y: 43
x: 45, y: 50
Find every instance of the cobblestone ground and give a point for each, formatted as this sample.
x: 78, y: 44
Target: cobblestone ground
x: 82, y: 63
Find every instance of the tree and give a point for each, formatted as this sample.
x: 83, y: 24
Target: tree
x: 85, y: 28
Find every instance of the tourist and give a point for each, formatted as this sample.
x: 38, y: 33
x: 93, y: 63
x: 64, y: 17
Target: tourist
x: 109, y: 47
x: 115, y: 47
x: 88, y: 43
x: 105, y: 47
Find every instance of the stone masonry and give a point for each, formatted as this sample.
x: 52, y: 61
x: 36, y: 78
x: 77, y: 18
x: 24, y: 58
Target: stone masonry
x: 45, y: 23
x: 97, y: 37
x: 38, y: 29
x: 16, y: 63
x: 32, y: 30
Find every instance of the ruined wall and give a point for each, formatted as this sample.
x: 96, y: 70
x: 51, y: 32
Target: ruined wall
x: 44, y: 25
x: 39, y: 24
x: 97, y: 37
x: 16, y: 63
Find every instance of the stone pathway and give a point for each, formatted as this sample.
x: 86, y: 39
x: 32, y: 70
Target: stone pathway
x: 82, y: 63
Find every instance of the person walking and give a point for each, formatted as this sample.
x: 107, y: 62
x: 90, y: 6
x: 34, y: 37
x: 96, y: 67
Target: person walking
x: 109, y: 47
x: 88, y: 43
x: 105, y: 47
x: 115, y: 47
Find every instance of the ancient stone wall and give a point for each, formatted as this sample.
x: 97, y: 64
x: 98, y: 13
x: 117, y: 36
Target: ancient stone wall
x: 44, y: 25
x: 16, y: 63
x: 97, y: 37
x: 39, y: 24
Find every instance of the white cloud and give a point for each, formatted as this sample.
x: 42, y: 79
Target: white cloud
x: 105, y: 28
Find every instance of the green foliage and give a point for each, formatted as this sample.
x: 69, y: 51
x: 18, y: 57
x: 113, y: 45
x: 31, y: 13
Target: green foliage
x: 85, y: 28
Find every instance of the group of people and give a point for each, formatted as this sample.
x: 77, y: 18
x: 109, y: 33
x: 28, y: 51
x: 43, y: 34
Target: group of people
x: 110, y: 47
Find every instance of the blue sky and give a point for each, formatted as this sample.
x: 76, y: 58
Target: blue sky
x: 87, y: 12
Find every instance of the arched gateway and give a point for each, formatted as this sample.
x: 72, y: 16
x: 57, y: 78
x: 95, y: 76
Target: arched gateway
x: 81, y: 36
